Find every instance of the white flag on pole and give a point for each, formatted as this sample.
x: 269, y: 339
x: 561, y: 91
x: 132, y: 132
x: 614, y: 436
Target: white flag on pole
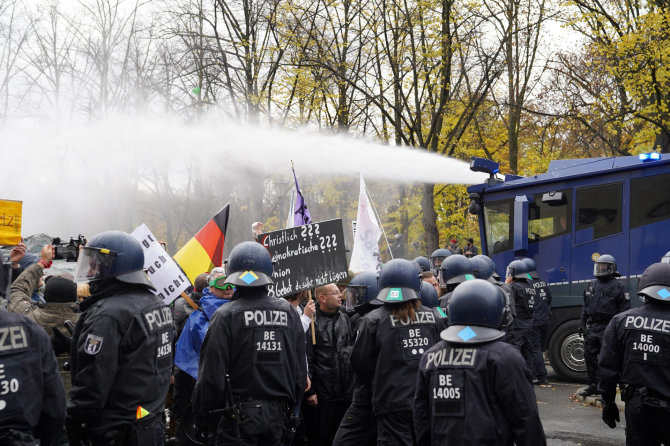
x: 365, y: 254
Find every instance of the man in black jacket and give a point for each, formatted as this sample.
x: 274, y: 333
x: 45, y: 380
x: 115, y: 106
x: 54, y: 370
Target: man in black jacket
x: 329, y: 362
x: 121, y: 355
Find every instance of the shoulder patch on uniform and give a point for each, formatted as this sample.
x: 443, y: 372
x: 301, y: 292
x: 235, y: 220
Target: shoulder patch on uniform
x: 93, y: 344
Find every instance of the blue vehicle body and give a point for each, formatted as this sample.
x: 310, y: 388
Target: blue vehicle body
x: 565, y: 218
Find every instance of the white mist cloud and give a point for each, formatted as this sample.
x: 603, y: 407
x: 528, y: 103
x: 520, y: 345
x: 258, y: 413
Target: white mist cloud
x: 69, y: 178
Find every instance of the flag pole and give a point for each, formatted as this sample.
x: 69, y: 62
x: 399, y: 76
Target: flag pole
x: 309, y: 299
x: 379, y: 220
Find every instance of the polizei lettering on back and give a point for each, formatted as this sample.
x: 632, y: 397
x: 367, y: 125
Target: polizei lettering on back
x: 452, y: 357
x: 265, y: 318
x: 12, y: 339
x: 422, y: 317
x: 158, y: 318
x: 647, y: 323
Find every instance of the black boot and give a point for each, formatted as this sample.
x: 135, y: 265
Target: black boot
x: 591, y: 389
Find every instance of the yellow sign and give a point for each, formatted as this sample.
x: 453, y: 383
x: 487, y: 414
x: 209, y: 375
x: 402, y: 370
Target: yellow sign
x: 10, y: 222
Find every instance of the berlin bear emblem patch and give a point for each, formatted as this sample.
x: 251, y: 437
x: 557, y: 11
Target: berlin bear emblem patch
x: 93, y: 344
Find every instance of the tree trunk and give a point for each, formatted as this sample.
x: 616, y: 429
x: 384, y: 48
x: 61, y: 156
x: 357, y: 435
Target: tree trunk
x: 429, y: 218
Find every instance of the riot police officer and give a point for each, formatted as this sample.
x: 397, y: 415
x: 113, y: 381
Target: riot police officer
x: 355, y: 428
x: 541, y: 314
x: 454, y: 270
x: 473, y: 388
x: 121, y: 356
x: 484, y: 268
x: 521, y: 291
x: 436, y: 259
x: 34, y: 401
x: 634, y: 354
x: 423, y: 263
x: 603, y: 298
x: 389, y: 344
x: 258, y: 342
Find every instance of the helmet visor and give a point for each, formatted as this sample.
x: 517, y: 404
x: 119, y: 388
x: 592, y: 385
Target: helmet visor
x: 355, y: 296
x: 602, y: 269
x: 436, y: 261
x: 94, y: 264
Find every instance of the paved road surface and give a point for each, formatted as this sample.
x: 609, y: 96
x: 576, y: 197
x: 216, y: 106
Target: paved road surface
x: 568, y: 422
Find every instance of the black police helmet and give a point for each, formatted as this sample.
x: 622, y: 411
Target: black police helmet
x: 605, y: 266
x: 423, y: 262
x: 456, y: 269
x: 531, y: 267
x: 428, y: 295
x: 399, y: 281
x: 362, y: 289
x: 438, y: 256
x: 518, y: 269
x: 481, y: 268
x: 249, y: 265
x: 112, y: 254
x: 655, y: 282
x: 475, y: 313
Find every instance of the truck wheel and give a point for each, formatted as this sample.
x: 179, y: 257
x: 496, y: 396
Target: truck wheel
x: 566, y: 352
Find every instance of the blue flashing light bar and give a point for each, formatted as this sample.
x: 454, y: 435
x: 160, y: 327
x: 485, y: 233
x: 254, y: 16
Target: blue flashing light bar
x: 651, y: 156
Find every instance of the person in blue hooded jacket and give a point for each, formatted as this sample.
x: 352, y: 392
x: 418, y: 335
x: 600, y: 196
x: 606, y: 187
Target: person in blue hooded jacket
x: 187, y: 352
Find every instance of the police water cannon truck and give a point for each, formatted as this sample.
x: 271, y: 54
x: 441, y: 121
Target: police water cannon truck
x: 564, y: 219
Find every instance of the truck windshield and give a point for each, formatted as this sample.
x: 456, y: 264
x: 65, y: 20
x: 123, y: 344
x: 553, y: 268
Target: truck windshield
x: 497, y: 216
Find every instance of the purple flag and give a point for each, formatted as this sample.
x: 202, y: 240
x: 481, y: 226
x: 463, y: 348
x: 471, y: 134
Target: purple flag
x: 300, y: 212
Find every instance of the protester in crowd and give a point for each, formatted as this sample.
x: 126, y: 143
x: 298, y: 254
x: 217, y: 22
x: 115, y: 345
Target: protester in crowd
x: 429, y: 277
x: 355, y: 427
x: 256, y: 230
x: 344, y: 281
x: 470, y: 250
x: 33, y: 410
x: 389, y: 344
x: 306, y: 312
x: 486, y: 397
x: 632, y: 355
x: 181, y: 309
x: 604, y: 297
x: 121, y: 348
x: 520, y: 288
x: 329, y: 363
x: 453, y: 247
x: 252, y: 366
x: 189, y: 344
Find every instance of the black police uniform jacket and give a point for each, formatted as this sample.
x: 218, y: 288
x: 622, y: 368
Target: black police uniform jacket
x: 329, y: 359
x: 524, y: 295
x: 542, y: 308
x: 478, y: 394
x: 121, y: 357
x: 259, y: 341
x: 387, y: 353
x: 33, y: 397
x: 635, y: 351
x: 602, y: 300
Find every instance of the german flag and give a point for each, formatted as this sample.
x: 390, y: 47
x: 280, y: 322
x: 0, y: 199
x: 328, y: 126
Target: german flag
x: 205, y: 250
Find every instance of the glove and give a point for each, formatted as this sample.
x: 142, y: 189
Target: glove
x: 60, y: 342
x: 610, y: 414
x: 76, y: 434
